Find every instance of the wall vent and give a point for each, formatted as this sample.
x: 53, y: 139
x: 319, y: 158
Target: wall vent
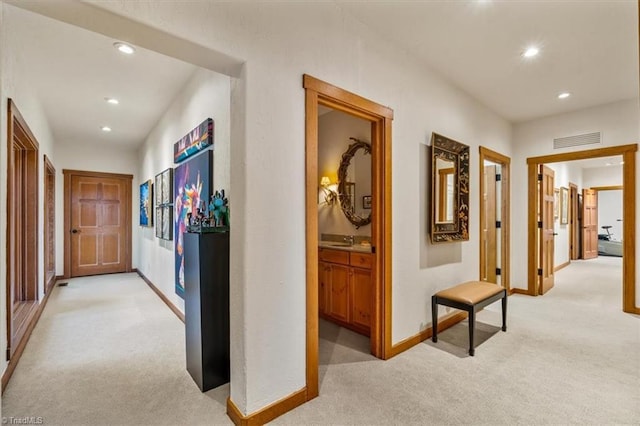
x: 577, y: 140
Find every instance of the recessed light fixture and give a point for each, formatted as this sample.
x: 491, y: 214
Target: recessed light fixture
x: 112, y: 101
x: 531, y: 52
x: 564, y: 95
x: 105, y: 128
x: 608, y: 164
x: 124, y: 47
x: 621, y: 163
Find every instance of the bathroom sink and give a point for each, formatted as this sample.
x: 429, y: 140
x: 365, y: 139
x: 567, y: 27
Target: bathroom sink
x: 336, y: 244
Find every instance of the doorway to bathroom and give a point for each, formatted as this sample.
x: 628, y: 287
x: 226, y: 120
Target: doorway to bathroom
x: 359, y: 263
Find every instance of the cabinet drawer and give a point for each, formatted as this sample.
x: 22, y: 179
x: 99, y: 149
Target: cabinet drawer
x: 334, y: 256
x: 361, y: 260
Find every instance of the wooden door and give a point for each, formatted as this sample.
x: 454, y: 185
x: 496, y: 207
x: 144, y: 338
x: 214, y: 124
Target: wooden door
x: 574, y: 229
x: 490, y: 253
x: 589, y: 224
x: 49, y: 224
x: 361, y: 299
x: 99, y: 223
x: 546, y: 223
x: 338, y: 306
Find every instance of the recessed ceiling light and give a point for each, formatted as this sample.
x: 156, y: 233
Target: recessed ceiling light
x: 622, y: 162
x: 531, y: 52
x: 105, y: 128
x: 112, y: 101
x: 608, y: 164
x: 564, y: 95
x: 124, y: 48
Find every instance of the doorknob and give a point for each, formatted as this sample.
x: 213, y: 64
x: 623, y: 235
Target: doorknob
x: 74, y: 231
x: 555, y: 233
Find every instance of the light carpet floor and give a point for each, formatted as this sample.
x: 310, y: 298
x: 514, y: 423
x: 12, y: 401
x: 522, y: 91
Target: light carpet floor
x: 107, y: 351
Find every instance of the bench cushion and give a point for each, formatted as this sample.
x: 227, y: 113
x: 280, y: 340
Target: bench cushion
x: 470, y: 292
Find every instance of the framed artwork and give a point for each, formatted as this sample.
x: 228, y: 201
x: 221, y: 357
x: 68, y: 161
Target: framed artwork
x: 146, y: 199
x: 191, y: 190
x: 158, y: 193
x: 556, y: 202
x: 159, y: 222
x: 164, y: 204
x: 197, y: 140
x: 167, y: 186
x: 366, y: 202
x: 564, y: 205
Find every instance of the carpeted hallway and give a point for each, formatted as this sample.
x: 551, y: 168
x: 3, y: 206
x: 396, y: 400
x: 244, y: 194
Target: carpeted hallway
x: 108, y: 351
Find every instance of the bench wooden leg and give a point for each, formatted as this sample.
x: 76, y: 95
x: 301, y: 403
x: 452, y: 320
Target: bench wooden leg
x: 504, y: 313
x: 434, y: 319
x: 472, y: 328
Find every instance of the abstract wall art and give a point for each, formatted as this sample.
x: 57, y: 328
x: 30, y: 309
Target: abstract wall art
x: 197, y: 140
x: 191, y: 190
x: 164, y: 204
x: 146, y: 203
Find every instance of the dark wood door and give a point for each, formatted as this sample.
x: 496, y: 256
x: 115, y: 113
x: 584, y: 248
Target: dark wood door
x: 547, y: 246
x: 589, y: 224
x: 99, y: 225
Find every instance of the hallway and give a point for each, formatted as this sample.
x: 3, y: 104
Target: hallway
x: 108, y: 351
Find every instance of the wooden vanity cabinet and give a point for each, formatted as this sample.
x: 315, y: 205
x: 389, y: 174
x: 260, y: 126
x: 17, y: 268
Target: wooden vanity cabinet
x: 345, y: 292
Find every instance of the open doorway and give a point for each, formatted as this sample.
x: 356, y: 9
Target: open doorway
x: 345, y: 275
x: 494, y: 217
x: 319, y: 93
x: 537, y: 227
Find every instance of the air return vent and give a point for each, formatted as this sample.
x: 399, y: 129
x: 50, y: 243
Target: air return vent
x: 577, y: 140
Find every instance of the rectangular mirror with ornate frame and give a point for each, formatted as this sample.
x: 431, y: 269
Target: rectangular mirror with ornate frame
x: 449, y: 190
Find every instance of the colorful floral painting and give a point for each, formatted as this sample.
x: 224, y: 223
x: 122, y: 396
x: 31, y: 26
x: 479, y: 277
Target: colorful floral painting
x: 191, y: 190
x: 146, y: 216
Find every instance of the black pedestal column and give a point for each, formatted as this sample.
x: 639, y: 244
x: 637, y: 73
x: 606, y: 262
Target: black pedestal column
x: 206, y: 307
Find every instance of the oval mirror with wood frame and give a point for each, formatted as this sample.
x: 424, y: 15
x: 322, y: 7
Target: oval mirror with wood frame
x: 347, y: 181
x: 449, y: 190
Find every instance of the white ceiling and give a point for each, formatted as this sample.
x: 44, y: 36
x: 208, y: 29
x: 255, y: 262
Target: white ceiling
x: 73, y: 70
x: 589, y: 48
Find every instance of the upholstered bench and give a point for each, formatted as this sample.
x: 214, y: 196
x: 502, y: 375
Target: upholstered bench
x: 471, y: 297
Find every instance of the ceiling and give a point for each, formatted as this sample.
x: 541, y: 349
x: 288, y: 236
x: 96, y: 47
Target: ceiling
x: 73, y: 70
x: 588, y: 48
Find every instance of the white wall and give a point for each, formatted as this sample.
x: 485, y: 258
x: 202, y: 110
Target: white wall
x: 280, y: 42
x: 602, y: 176
x: 13, y: 85
x: 334, y: 130
x: 77, y: 155
x: 206, y: 95
x: 619, y: 125
x: 610, y: 212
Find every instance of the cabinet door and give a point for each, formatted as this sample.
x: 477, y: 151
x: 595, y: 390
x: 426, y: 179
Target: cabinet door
x: 338, y: 303
x: 361, y: 299
x: 324, y: 282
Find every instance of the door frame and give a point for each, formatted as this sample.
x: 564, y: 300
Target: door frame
x: 628, y: 153
x: 573, y: 223
x: 49, y: 213
x: 22, y: 233
x: 67, y: 213
x: 505, y: 179
x: 318, y: 92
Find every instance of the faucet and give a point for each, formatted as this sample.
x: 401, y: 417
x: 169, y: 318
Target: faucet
x: 349, y: 239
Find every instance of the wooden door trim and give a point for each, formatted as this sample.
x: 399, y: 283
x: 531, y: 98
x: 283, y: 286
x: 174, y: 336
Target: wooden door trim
x: 20, y: 135
x: 628, y: 153
x: 607, y: 188
x: 505, y: 251
x: 49, y: 170
x: 573, y: 222
x: 318, y: 92
x: 68, y: 173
